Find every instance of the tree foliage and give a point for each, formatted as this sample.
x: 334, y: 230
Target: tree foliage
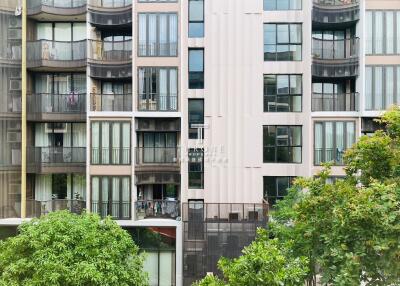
x: 67, y: 249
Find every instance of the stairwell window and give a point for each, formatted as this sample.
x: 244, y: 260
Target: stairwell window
x: 196, y: 168
x: 196, y: 18
x: 282, y: 93
x: 273, y: 5
x: 282, y: 42
x: 196, y: 68
x: 276, y: 188
x: 158, y: 35
x: 282, y: 144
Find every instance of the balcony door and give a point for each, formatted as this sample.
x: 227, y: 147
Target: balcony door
x: 159, y: 147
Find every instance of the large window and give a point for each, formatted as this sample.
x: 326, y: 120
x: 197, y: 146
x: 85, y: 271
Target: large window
x: 111, y: 196
x: 59, y: 83
x: 196, y: 168
x: 196, y: 18
x: 282, y: 93
x: 331, y: 140
x: 111, y: 143
x: 196, y: 118
x: 65, y: 32
x: 158, y: 147
x: 272, y: 5
x: 383, y: 33
x: 282, y: 42
x: 158, y: 34
x: 380, y: 89
x: 276, y: 188
x: 282, y: 144
x: 196, y: 68
x: 158, y: 89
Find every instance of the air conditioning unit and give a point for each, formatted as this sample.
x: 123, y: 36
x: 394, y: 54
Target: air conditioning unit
x: 14, y: 22
x: 14, y: 34
x: 16, y: 157
x: 13, y: 137
x: 15, y: 74
x: 15, y: 85
x: 14, y: 125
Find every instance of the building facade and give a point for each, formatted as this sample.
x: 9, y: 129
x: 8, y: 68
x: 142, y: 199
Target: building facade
x: 185, y: 120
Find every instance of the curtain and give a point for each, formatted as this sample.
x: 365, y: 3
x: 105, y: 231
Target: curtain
x: 95, y: 142
x: 148, y: 149
x: 126, y: 196
x: 159, y: 146
x: 368, y: 88
x: 173, y: 89
x: 79, y: 135
x: 151, y: 267
x: 329, y: 142
x: 43, y: 187
x: 95, y: 194
x: 397, y: 98
x: 369, y: 31
x: 126, y: 142
x: 398, y: 31
x: 173, y: 34
x: 41, y: 137
x: 163, y: 33
x: 104, y: 194
x: 107, y: 96
x: 166, y: 268
x: 68, y: 152
x: 76, y: 187
x: 62, y: 47
x: 389, y: 86
x: 105, y: 143
x: 378, y: 32
x: 152, y: 36
x: 351, y: 137
x: 378, y: 80
x: 163, y: 92
x: 79, y: 81
x: 318, y: 144
x: 116, y: 130
x: 389, y: 32
x: 79, y: 31
x: 340, y: 144
x: 115, y: 196
x: 44, y: 31
x: 142, y: 34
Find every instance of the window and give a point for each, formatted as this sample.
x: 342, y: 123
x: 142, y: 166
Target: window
x: 272, y: 5
x: 276, y: 188
x: 196, y: 68
x: 111, y: 196
x: 282, y: 144
x: 158, y: 34
x: 111, y: 143
x: 157, y: 1
x: 282, y: 93
x: 383, y: 33
x: 380, y: 89
x: 158, y: 89
x: 158, y: 147
x: 196, y: 117
x: 65, y: 32
x: 196, y: 18
x: 196, y: 168
x: 282, y: 42
x: 331, y: 140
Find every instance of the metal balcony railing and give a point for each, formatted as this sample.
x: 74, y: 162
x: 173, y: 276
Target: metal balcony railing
x: 111, y: 156
x: 335, y: 49
x: 323, y: 155
x: 57, y: 103
x: 331, y: 3
x: 35, y: 208
x: 111, y: 102
x: 110, y: 3
x: 56, y: 51
x: 120, y: 210
x: 225, y: 212
x: 56, y: 155
x: 32, y: 4
x: 335, y: 69
x: 158, y: 50
x: 335, y: 101
x: 157, y: 155
x: 158, y: 102
x: 110, y: 51
x: 343, y: 13
x: 157, y: 209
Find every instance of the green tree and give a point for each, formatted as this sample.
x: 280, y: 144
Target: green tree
x: 265, y: 262
x: 67, y: 249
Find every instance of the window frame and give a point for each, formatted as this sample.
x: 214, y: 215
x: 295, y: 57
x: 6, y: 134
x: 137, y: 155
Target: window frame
x: 201, y: 172
x: 196, y: 22
x: 288, y: 44
x: 276, y: 6
x: 202, y: 73
x: 195, y: 122
x: 275, y: 198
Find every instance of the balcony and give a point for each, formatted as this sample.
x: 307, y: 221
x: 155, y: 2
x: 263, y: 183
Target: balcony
x: 69, y: 107
x: 110, y: 102
x: 156, y: 156
x: 56, y: 56
x: 36, y: 208
x: 60, y: 10
x: 157, y: 209
x: 47, y: 160
x: 158, y: 102
x: 322, y: 155
x: 112, y: 14
x: 119, y: 210
x: 335, y: 13
x: 335, y: 101
x: 110, y: 59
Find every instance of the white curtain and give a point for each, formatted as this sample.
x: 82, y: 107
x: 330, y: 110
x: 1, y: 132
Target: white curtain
x: 340, y: 148
x: 79, y: 135
x: 151, y: 267
x: 41, y: 137
x: 152, y: 36
x: 378, y: 80
x: 389, y: 32
x: 389, y: 86
x: 163, y: 86
x: 104, y: 193
x: 368, y: 88
x: 329, y: 141
x: 378, y: 32
x: 173, y: 34
x: 142, y: 96
x: 163, y: 32
x: 105, y: 143
x: 369, y: 30
x: 173, y: 89
x: 398, y: 31
x: 62, y: 36
x: 76, y: 186
x: 351, y: 137
x: 95, y: 194
x: 95, y: 143
x: 116, y: 130
x: 115, y: 196
x: 43, y: 185
x: 166, y: 268
x: 126, y: 142
x: 44, y: 31
x: 142, y: 34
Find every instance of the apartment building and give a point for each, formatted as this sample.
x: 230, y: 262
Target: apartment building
x: 184, y: 120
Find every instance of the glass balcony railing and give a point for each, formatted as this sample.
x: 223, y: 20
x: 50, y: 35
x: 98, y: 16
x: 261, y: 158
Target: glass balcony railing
x: 110, y: 51
x: 111, y: 102
x: 335, y: 101
x: 56, y: 53
x: 335, y: 49
x: 35, y: 208
x: 158, y: 102
x: 336, y: 12
x: 335, y: 155
x: 157, y: 155
x: 110, y: 13
x: 110, y: 3
x: 157, y: 209
x: 57, y: 103
x: 56, y: 155
x: 119, y: 210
